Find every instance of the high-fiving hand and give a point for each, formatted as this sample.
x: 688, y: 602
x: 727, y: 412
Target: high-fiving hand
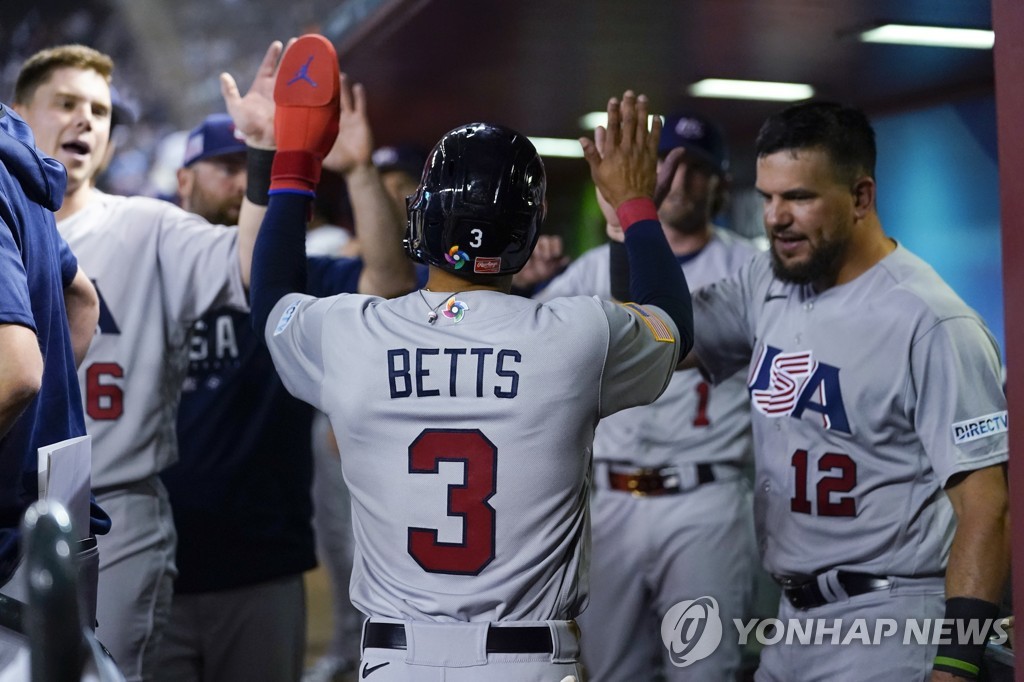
x: 623, y: 162
x: 354, y: 146
x: 253, y: 114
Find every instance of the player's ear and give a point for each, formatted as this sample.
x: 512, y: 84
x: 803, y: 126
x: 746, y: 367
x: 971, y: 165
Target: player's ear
x: 186, y: 179
x: 863, y: 196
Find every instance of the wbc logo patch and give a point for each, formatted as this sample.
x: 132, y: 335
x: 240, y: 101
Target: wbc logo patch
x: 286, y: 318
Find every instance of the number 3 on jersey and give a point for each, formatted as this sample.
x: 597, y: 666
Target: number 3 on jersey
x: 468, y: 501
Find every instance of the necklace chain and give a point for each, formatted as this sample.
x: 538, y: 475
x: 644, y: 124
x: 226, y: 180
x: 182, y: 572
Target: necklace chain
x: 432, y: 311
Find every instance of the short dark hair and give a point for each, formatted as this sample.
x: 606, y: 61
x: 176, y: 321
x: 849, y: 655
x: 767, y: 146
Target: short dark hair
x: 37, y: 69
x: 842, y: 131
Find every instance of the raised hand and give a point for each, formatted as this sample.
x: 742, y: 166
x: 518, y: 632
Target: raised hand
x: 626, y: 166
x: 546, y: 261
x: 253, y: 114
x: 666, y: 173
x: 354, y: 145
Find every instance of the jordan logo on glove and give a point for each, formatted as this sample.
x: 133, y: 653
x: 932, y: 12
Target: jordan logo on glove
x: 305, y: 118
x: 303, y: 74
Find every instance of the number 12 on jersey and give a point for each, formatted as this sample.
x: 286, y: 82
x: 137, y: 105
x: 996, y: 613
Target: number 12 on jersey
x: 468, y: 501
x: 828, y: 490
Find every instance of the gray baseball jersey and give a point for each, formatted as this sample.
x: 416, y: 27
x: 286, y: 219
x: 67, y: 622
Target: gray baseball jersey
x: 157, y: 270
x: 659, y: 435
x: 867, y: 397
x: 466, y: 443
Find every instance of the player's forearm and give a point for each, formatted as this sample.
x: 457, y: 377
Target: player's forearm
x: 83, y: 310
x: 979, y: 561
x: 254, y: 207
x: 618, y: 265
x: 249, y: 220
x: 655, y: 276
x: 21, y: 372
x: 279, y: 256
x: 978, y: 567
x: 387, y: 271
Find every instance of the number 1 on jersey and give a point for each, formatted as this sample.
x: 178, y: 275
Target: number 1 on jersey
x: 467, y: 501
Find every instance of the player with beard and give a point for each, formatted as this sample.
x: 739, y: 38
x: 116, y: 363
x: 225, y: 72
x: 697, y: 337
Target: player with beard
x: 212, y: 178
x: 879, y: 416
x: 671, y: 509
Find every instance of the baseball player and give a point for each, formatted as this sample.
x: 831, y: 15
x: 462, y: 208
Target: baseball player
x: 212, y: 178
x: 878, y: 413
x: 464, y: 415
x: 240, y: 491
x: 157, y: 269
x: 672, y: 516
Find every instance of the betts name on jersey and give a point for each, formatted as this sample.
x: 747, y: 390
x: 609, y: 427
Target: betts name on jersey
x: 453, y: 372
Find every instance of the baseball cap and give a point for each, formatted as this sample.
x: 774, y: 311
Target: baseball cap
x: 121, y: 110
x: 215, y: 136
x: 403, y: 157
x: 698, y: 135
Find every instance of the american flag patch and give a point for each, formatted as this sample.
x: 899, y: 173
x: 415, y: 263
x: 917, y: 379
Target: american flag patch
x: 788, y: 373
x: 659, y: 330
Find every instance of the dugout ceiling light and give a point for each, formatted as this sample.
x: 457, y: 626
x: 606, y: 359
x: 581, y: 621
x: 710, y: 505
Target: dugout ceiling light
x: 760, y: 90
x: 558, y: 146
x: 932, y: 36
x: 599, y: 118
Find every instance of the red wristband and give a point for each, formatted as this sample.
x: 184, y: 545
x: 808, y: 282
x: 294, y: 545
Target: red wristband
x: 634, y: 210
x: 295, y: 170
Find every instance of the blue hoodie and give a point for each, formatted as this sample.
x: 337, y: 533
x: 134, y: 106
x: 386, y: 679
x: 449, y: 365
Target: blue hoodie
x: 35, y: 266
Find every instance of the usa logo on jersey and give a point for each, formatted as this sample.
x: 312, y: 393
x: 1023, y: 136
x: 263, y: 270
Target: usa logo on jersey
x: 789, y: 384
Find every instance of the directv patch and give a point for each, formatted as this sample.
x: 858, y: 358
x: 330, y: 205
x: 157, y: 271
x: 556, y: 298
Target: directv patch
x: 980, y: 427
x: 286, y: 318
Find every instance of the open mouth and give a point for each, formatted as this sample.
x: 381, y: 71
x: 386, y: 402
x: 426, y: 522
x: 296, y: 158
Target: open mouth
x: 787, y: 243
x: 76, y: 147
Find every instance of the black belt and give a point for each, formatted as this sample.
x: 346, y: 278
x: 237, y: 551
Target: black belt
x: 525, y: 640
x: 665, y: 481
x: 805, y: 594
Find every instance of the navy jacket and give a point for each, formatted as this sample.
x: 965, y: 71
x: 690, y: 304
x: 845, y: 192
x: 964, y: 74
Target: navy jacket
x: 35, y: 266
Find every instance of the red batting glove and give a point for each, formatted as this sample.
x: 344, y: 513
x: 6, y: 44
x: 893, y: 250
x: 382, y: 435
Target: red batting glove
x: 307, y: 95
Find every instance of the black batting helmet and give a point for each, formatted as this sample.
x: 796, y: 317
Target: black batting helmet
x: 480, y: 202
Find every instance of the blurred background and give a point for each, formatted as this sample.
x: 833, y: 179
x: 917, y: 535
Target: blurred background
x: 540, y: 65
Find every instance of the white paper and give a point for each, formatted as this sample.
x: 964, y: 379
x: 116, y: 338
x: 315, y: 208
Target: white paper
x: 65, y: 475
